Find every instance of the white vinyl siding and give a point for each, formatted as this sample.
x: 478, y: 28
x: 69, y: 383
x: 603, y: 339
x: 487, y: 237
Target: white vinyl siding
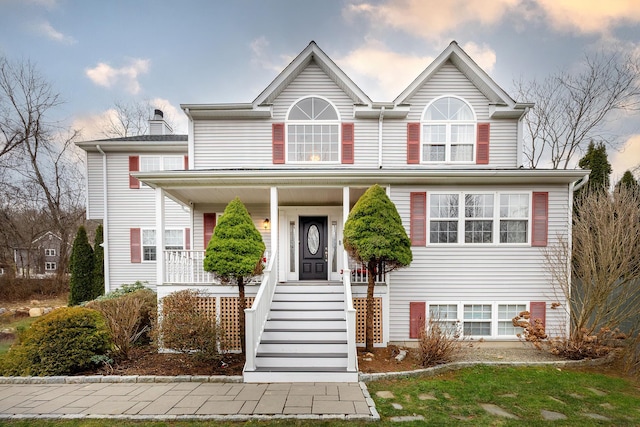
x: 474, y: 274
x: 95, y: 192
x: 133, y: 208
x: 252, y: 139
x: 448, y: 80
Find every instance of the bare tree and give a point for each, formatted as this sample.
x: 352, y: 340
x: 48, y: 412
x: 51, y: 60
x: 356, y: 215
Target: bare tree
x: 603, y: 284
x: 42, y: 171
x: 131, y: 119
x: 572, y: 109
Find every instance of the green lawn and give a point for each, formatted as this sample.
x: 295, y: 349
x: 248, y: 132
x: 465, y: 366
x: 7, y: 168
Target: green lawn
x: 14, y: 325
x: 454, y: 398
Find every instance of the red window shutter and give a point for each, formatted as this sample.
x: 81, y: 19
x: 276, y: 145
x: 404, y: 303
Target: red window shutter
x: 540, y: 224
x: 136, y: 248
x: 134, y: 166
x: 347, y: 143
x: 538, y: 310
x: 187, y: 239
x: 209, y: 220
x: 417, y: 311
x: 277, y: 135
x: 186, y: 162
x: 418, y: 219
x: 413, y: 143
x: 482, y: 144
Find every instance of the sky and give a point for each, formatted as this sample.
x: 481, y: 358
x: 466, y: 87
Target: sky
x: 97, y: 53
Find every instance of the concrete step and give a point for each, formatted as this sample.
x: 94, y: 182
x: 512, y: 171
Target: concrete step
x: 297, y: 315
x: 302, y: 347
x: 291, y: 296
x: 293, y: 336
x: 307, y: 305
x: 312, y: 289
x: 312, y: 325
x: 313, y: 361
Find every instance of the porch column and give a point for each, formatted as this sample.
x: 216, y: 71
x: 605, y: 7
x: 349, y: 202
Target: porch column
x: 345, y: 214
x: 274, y: 224
x: 159, y: 236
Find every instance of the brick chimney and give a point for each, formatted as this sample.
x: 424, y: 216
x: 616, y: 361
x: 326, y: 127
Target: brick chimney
x: 157, y: 125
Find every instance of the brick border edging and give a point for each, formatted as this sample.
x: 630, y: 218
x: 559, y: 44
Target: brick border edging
x: 454, y: 366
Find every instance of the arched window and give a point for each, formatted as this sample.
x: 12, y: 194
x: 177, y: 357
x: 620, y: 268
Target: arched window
x: 448, y: 131
x: 313, y: 131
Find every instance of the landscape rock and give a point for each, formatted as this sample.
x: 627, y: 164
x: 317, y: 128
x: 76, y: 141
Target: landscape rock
x: 400, y: 357
x: 35, y: 312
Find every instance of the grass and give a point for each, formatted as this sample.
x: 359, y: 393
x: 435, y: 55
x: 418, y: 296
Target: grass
x: 14, y: 325
x: 457, y: 396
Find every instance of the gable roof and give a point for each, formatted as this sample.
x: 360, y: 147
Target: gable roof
x: 311, y: 53
x: 502, y: 105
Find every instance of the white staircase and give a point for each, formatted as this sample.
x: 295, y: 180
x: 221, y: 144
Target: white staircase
x: 305, y: 336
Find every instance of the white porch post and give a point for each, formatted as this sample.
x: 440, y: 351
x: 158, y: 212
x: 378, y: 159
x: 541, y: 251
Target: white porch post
x: 274, y: 222
x: 159, y: 236
x: 345, y: 215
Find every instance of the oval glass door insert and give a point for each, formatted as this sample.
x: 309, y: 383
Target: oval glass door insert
x: 313, y: 239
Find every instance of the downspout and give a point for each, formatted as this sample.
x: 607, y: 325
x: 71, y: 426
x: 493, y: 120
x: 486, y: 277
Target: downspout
x: 380, y: 120
x: 105, y: 219
x: 573, y: 187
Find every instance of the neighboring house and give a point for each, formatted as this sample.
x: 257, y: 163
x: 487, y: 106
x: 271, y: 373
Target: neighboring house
x: 449, y: 151
x: 40, y: 258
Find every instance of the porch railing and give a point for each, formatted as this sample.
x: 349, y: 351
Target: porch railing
x: 256, y: 316
x: 187, y: 267
x: 359, y: 273
x: 352, y: 360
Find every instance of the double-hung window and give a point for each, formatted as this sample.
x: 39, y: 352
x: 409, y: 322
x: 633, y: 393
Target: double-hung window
x: 50, y: 266
x: 161, y: 163
x: 478, y: 218
x: 173, y: 241
x: 477, y: 319
x: 313, y: 132
x: 49, y: 252
x: 448, y: 132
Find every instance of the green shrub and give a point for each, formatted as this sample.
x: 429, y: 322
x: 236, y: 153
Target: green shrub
x: 186, y: 329
x: 81, y: 267
x: 60, y: 343
x: 130, y: 317
x: 123, y: 290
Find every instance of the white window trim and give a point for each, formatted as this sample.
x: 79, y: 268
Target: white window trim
x: 50, y: 266
x: 495, y: 237
x: 142, y: 245
x: 49, y: 252
x: 288, y: 122
x: 162, y: 159
x: 448, y: 123
x: 494, y: 316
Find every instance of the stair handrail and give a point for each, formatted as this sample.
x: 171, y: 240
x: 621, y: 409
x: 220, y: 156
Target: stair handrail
x: 352, y: 360
x: 256, y: 316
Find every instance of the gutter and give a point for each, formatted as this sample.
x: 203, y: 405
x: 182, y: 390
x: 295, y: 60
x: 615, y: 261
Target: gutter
x: 380, y: 120
x: 105, y: 219
x: 581, y: 184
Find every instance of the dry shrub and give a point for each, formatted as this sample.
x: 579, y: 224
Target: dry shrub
x: 438, y: 343
x: 21, y: 289
x: 631, y: 356
x: 130, y: 317
x: 186, y: 329
x: 580, y: 346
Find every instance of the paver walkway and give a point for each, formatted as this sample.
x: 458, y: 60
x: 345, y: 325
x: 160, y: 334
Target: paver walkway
x: 182, y: 400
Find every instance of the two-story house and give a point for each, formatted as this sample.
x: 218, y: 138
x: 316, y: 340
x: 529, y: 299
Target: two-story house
x: 448, y: 150
x: 41, y: 257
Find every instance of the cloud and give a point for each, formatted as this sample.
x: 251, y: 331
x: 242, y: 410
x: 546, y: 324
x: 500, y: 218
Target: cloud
x: 627, y: 158
x: 47, y: 30
x: 262, y: 57
x: 92, y: 126
x: 589, y: 16
x: 483, y: 55
x: 382, y: 73
x: 434, y: 19
x: 107, y: 76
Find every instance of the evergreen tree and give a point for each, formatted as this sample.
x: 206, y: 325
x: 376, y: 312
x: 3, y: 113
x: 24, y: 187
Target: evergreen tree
x: 374, y: 236
x: 628, y: 181
x: 235, y: 252
x: 81, y: 266
x: 596, y: 160
x: 98, y: 264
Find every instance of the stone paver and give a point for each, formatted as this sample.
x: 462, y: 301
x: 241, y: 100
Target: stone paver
x: 552, y: 416
x: 498, y: 411
x: 384, y: 394
x: 596, y: 391
x: 427, y: 396
x: 184, y: 398
x: 407, y: 418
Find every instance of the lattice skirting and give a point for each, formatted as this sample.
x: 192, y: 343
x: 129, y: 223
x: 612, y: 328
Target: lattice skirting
x: 225, y: 310
x: 360, y: 304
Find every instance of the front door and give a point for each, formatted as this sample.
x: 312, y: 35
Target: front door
x: 314, y: 252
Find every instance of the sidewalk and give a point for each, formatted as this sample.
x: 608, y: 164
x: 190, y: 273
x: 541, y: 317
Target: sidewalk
x: 187, y: 400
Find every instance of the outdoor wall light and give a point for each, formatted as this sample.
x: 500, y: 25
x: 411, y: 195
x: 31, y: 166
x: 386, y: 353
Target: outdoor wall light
x: 266, y: 224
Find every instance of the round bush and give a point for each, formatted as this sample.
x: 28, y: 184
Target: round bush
x: 60, y: 343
